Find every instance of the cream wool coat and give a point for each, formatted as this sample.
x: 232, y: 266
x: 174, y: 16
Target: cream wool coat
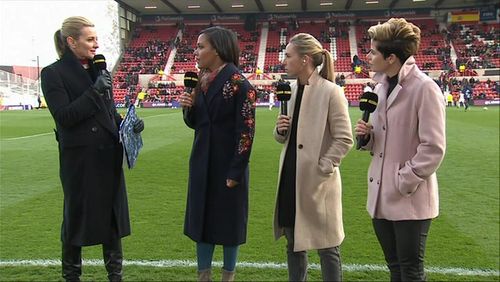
x: 407, y: 144
x: 324, y: 137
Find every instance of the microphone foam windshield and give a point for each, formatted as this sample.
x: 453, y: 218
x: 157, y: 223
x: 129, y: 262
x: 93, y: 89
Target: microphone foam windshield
x: 99, y: 61
x: 190, y: 79
x: 283, y: 92
x: 368, y: 102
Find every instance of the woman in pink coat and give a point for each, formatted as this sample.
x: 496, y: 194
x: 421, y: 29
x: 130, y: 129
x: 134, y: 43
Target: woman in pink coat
x: 406, y: 138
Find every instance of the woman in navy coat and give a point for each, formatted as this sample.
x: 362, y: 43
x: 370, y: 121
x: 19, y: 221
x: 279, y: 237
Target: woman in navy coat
x: 221, y: 110
x: 90, y: 154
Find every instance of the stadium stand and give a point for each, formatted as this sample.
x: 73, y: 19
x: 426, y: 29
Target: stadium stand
x: 159, y: 51
x: 477, y: 44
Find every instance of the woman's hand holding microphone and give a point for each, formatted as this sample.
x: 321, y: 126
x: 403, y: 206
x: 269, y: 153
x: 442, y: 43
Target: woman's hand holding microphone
x: 363, y: 129
x: 186, y: 100
x: 282, y: 124
x: 102, y: 83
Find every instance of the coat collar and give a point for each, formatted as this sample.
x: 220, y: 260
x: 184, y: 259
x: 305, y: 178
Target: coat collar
x: 408, y: 67
x: 70, y: 60
x: 219, y: 81
x: 314, y: 81
x: 103, y: 116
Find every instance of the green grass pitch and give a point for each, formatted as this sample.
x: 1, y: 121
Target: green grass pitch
x: 464, y: 236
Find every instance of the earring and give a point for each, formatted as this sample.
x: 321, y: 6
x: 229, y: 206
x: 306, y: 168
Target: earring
x: 304, y: 61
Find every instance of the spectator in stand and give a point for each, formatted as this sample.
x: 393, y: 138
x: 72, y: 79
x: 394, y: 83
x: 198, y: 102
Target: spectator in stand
x: 221, y: 110
x: 471, y: 81
x: 488, y: 83
x: 406, y: 138
x: 355, y: 62
x: 342, y: 80
x: 259, y: 73
x: 337, y: 79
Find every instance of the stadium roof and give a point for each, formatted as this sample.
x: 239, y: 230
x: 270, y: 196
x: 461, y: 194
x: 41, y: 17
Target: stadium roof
x: 176, y: 7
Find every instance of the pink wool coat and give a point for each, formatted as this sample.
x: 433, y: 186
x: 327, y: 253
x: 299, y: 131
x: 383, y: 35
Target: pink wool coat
x: 407, y: 144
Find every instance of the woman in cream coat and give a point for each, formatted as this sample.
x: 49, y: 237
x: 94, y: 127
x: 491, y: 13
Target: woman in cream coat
x: 406, y: 138
x: 316, y: 136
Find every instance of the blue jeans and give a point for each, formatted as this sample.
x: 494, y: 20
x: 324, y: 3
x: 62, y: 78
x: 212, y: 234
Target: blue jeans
x: 205, y: 252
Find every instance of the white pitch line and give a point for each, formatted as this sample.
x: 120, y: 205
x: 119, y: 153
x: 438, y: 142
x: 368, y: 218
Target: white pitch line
x: 43, y: 134
x: 29, y: 136
x: 259, y: 265
x: 159, y: 115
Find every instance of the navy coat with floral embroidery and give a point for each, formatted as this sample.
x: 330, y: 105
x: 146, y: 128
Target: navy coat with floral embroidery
x: 224, y: 124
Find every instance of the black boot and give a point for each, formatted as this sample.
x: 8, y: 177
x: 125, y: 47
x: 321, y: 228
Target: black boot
x: 113, y: 258
x: 71, y: 262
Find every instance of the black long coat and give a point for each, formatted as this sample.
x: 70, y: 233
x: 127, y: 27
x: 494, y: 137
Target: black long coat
x: 90, y: 155
x: 224, y: 123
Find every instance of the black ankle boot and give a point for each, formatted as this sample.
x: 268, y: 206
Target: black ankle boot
x: 113, y: 258
x: 71, y: 262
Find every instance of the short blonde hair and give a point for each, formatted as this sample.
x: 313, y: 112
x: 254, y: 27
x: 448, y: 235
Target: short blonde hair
x: 396, y: 36
x: 71, y: 27
x: 306, y: 44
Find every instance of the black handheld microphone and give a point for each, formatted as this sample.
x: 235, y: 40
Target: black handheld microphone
x: 99, y: 62
x: 283, y: 94
x: 190, y: 81
x: 367, y: 103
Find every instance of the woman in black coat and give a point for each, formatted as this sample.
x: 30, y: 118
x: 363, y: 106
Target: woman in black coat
x: 221, y: 110
x: 90, y: 154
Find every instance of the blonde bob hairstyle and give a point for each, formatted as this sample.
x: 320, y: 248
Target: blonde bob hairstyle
x: 306, y: 44
x: 71, y: 27
x: 396, y: 36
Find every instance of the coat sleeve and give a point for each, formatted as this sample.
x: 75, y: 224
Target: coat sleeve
x: 431, y: 134
x: 368, y: 144
x: 189, y: 117
x: 65, y: 112
x: 340, y: 129
x: 244, y: 129
x: 118, y: 117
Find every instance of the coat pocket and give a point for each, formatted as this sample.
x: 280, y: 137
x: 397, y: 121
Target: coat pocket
x: 406, y: 181
x: 325, y: 166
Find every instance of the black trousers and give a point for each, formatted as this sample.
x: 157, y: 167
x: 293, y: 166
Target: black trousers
x: 403, y: 244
